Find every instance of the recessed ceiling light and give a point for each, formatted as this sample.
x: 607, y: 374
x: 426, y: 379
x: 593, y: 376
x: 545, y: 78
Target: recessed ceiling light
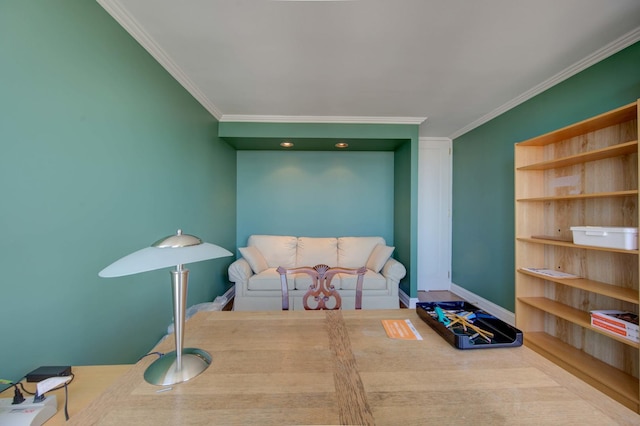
x: 342, y: 145
x: 286, y: 144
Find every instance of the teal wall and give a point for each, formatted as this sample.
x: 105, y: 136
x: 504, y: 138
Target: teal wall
x: 483, y: 187
x: 315, y: 194
x: 102, y: 152
x: 406, y: 211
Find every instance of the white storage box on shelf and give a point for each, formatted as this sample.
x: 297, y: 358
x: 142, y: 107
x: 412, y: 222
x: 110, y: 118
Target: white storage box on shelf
x: 602, y: 236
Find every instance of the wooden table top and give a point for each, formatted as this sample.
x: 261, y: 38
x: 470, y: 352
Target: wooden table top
x: 339, y: 367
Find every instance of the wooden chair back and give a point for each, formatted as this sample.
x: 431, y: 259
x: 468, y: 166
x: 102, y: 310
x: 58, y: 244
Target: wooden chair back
x: 321, y: 290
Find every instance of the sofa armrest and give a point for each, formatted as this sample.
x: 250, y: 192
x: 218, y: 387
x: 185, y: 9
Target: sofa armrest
x: 240, y: 271
x: 393, y: 270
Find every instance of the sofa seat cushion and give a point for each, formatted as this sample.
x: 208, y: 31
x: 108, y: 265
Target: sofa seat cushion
x: 353, y: 252
x: 302, y: 281
x: 317, y: 251
x: 371, y: 281
x: 269, y: 280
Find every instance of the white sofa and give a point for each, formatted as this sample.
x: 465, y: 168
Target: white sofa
x: 258, y: 283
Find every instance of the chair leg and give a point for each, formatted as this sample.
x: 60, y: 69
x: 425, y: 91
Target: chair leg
x: 359, y: 291
x: 285, y: 289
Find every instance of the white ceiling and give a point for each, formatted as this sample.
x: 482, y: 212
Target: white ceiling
x: 447, y: 64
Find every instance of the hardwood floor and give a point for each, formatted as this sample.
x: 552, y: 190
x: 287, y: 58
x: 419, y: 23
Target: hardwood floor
x: 435, y: 296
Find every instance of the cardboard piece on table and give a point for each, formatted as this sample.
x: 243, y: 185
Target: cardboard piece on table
x: 401, y: 329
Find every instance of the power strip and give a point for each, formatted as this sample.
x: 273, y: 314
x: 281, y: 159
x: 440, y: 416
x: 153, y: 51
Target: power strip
x: 28, y: 413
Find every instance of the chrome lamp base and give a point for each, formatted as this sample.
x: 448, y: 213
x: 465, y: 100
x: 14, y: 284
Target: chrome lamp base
x: 164, y: 371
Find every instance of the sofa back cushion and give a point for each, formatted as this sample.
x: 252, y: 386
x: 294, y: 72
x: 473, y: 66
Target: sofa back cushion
x: 316, y: 251
x: 256, y: 260
x: 353, y: 252
x: 379, y: 257
x: 277, y: 250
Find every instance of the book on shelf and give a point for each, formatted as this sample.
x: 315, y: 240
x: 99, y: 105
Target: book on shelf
x: 622, y: 323
x: 550, y: 273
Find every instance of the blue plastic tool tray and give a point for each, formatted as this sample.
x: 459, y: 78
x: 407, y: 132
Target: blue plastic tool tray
x: 504, y: 335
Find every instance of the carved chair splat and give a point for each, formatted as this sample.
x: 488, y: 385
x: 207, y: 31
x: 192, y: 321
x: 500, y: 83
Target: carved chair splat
x: 321, y: 290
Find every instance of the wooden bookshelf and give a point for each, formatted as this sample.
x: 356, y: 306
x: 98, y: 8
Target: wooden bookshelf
x: 583, y: 174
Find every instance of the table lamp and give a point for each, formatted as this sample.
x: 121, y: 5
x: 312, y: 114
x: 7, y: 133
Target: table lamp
x: 175, y: 250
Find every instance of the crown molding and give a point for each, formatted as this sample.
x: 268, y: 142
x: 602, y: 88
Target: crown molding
x: 617, y: 45
x: 320, y: 119
x: 434, y: 139
x: 120, y: 14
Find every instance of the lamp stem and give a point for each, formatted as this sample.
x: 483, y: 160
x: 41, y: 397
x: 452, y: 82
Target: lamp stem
x: 179, y: 283
x: 184, y: 363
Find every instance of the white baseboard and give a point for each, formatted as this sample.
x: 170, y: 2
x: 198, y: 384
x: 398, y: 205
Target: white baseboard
x: 406, y: 300
x: 221, y: 301
x: 484, y: 304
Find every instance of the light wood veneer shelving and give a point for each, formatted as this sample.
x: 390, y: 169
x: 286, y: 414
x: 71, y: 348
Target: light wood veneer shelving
x: 583, y: 157
x: 570, y: 244
x: 626, y: 294
x: 614, y: 382
x: 573, y: 315
x: 583, y: 196
x: 583, y: 174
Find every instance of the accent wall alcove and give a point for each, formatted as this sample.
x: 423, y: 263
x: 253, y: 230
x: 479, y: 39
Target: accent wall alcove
x: 369, y: 187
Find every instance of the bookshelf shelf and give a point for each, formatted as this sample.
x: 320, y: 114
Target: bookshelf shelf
x: 616, y: 292
x: 619, y: 385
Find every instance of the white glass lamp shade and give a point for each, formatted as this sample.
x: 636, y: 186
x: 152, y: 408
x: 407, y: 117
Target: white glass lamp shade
x: 174, y: 250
